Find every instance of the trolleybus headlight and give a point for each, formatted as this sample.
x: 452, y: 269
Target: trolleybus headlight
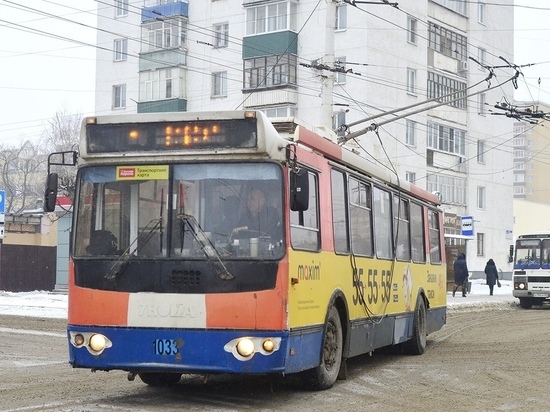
x: 521, y: 286
x: 245, y: 347
x: 97, y: 342
x: 268, y: 345
x: 78, y: 339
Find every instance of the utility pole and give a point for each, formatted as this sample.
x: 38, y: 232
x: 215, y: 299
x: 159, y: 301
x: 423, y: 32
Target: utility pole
x: 327, y: 82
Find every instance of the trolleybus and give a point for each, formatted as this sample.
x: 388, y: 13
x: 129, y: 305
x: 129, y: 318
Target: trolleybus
x: 531, y: 275
x: 344, y: 259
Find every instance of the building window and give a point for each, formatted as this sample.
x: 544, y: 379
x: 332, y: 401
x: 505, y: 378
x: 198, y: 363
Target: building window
x: 121, y: 8
x: 519, y: 190
x: 519, y: 154
x: 410, y: 177
x: 158, y: 35
x: 121, y: 49
x: 411, y: 81
x: 221, y: 35
x: 481, y: 12
x: 219, y: 84
x: 340, y: 75
x: 452, y: 189
x: 412, y: 27
x: 447, y: 42
x: 481, y: 151
x: 447, y: 90
x: 159, y: 84
x: 410, y: 134
x: 271, y: 17
x: 458, y: 6
x: 520, y: 178
x: 480, y: 244
x: 446, y: 139
x: 279, y: 111
x: 119, y: 96
x: 341, y: 16
x: 481, y: 103
x: 481, y: 197
x: 481, y: 57
x: 339, y: 119
x: 269, y: 71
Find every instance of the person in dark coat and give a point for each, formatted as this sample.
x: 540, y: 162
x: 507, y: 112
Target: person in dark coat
x: 491, y: 274
x: 461, y: 273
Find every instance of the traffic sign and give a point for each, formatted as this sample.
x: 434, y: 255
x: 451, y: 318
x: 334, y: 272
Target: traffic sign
x: 2, y: 201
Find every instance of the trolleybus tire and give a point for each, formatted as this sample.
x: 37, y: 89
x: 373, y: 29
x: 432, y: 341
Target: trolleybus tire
x: 525, y: 303
x: 159, y: 378
x: 417, y: 344
x: 323, y: 376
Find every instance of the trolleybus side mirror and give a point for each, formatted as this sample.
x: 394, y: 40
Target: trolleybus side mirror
x: 299, y: 190
x: 50, y: 195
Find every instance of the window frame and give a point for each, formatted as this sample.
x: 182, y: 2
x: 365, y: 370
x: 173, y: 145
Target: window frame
x: 219, y: 84
x: 120, y: 49
x: 119, y: 96
x: 221, y: 35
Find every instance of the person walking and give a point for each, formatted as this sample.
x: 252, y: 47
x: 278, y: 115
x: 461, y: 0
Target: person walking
x: 491, y: 275
x: 461, y: 273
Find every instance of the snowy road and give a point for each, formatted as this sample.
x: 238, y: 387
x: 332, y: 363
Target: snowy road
x: 489, y: 352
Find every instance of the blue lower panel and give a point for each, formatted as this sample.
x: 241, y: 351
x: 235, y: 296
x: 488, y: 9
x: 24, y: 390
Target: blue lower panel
x: 304, y: 348
x: 183, y: 351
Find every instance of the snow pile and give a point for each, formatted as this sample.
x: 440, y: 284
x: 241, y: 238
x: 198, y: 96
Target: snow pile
x: 43, y: 304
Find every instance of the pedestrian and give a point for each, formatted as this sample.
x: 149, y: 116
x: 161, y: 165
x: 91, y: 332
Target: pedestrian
x: 491, y: 275
x: 461, y: 273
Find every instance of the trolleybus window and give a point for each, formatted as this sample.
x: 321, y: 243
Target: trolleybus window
x: 382, y: 224
x: 417, y: 233
x: 401, y: 221
x: 339, y: 212
x: 360, y: 205
x: 304, y: 225
x: 136, y: 210
x: 435, y: 248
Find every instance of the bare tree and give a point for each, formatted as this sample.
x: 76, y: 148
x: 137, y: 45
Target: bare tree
x: 21, y: 176
x: 62, y: 134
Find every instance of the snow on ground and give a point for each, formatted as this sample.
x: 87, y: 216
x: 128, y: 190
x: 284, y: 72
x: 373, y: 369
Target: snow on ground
x: 43, y: 304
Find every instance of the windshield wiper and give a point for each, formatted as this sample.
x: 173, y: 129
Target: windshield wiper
x: 142, y: 239
x: 206, y: 245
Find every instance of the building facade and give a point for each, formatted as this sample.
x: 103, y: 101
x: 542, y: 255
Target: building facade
x: 342, y: 68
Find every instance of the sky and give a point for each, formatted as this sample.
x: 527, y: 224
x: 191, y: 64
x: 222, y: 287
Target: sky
x: 49, y: 64
x: 42, y: 304
x: 532, y: 46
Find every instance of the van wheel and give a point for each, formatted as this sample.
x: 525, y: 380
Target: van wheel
x: 525, y: 303
x: 323, y: 376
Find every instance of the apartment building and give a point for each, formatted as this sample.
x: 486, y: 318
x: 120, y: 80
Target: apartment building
x: 339, y: 67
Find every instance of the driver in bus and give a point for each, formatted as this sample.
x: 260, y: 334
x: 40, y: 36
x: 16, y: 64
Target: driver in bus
x: 257, y: 216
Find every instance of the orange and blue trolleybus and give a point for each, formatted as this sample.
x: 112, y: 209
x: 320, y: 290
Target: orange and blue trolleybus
x: 173, y: 272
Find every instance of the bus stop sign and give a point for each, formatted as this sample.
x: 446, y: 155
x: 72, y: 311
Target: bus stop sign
x: 467, y: 225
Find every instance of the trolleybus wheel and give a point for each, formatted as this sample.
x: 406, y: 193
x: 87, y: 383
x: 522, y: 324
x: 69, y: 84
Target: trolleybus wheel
x: 324, y: 375
x: 525, y: 303
x: 160, y: 379
x: 417, y: 344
